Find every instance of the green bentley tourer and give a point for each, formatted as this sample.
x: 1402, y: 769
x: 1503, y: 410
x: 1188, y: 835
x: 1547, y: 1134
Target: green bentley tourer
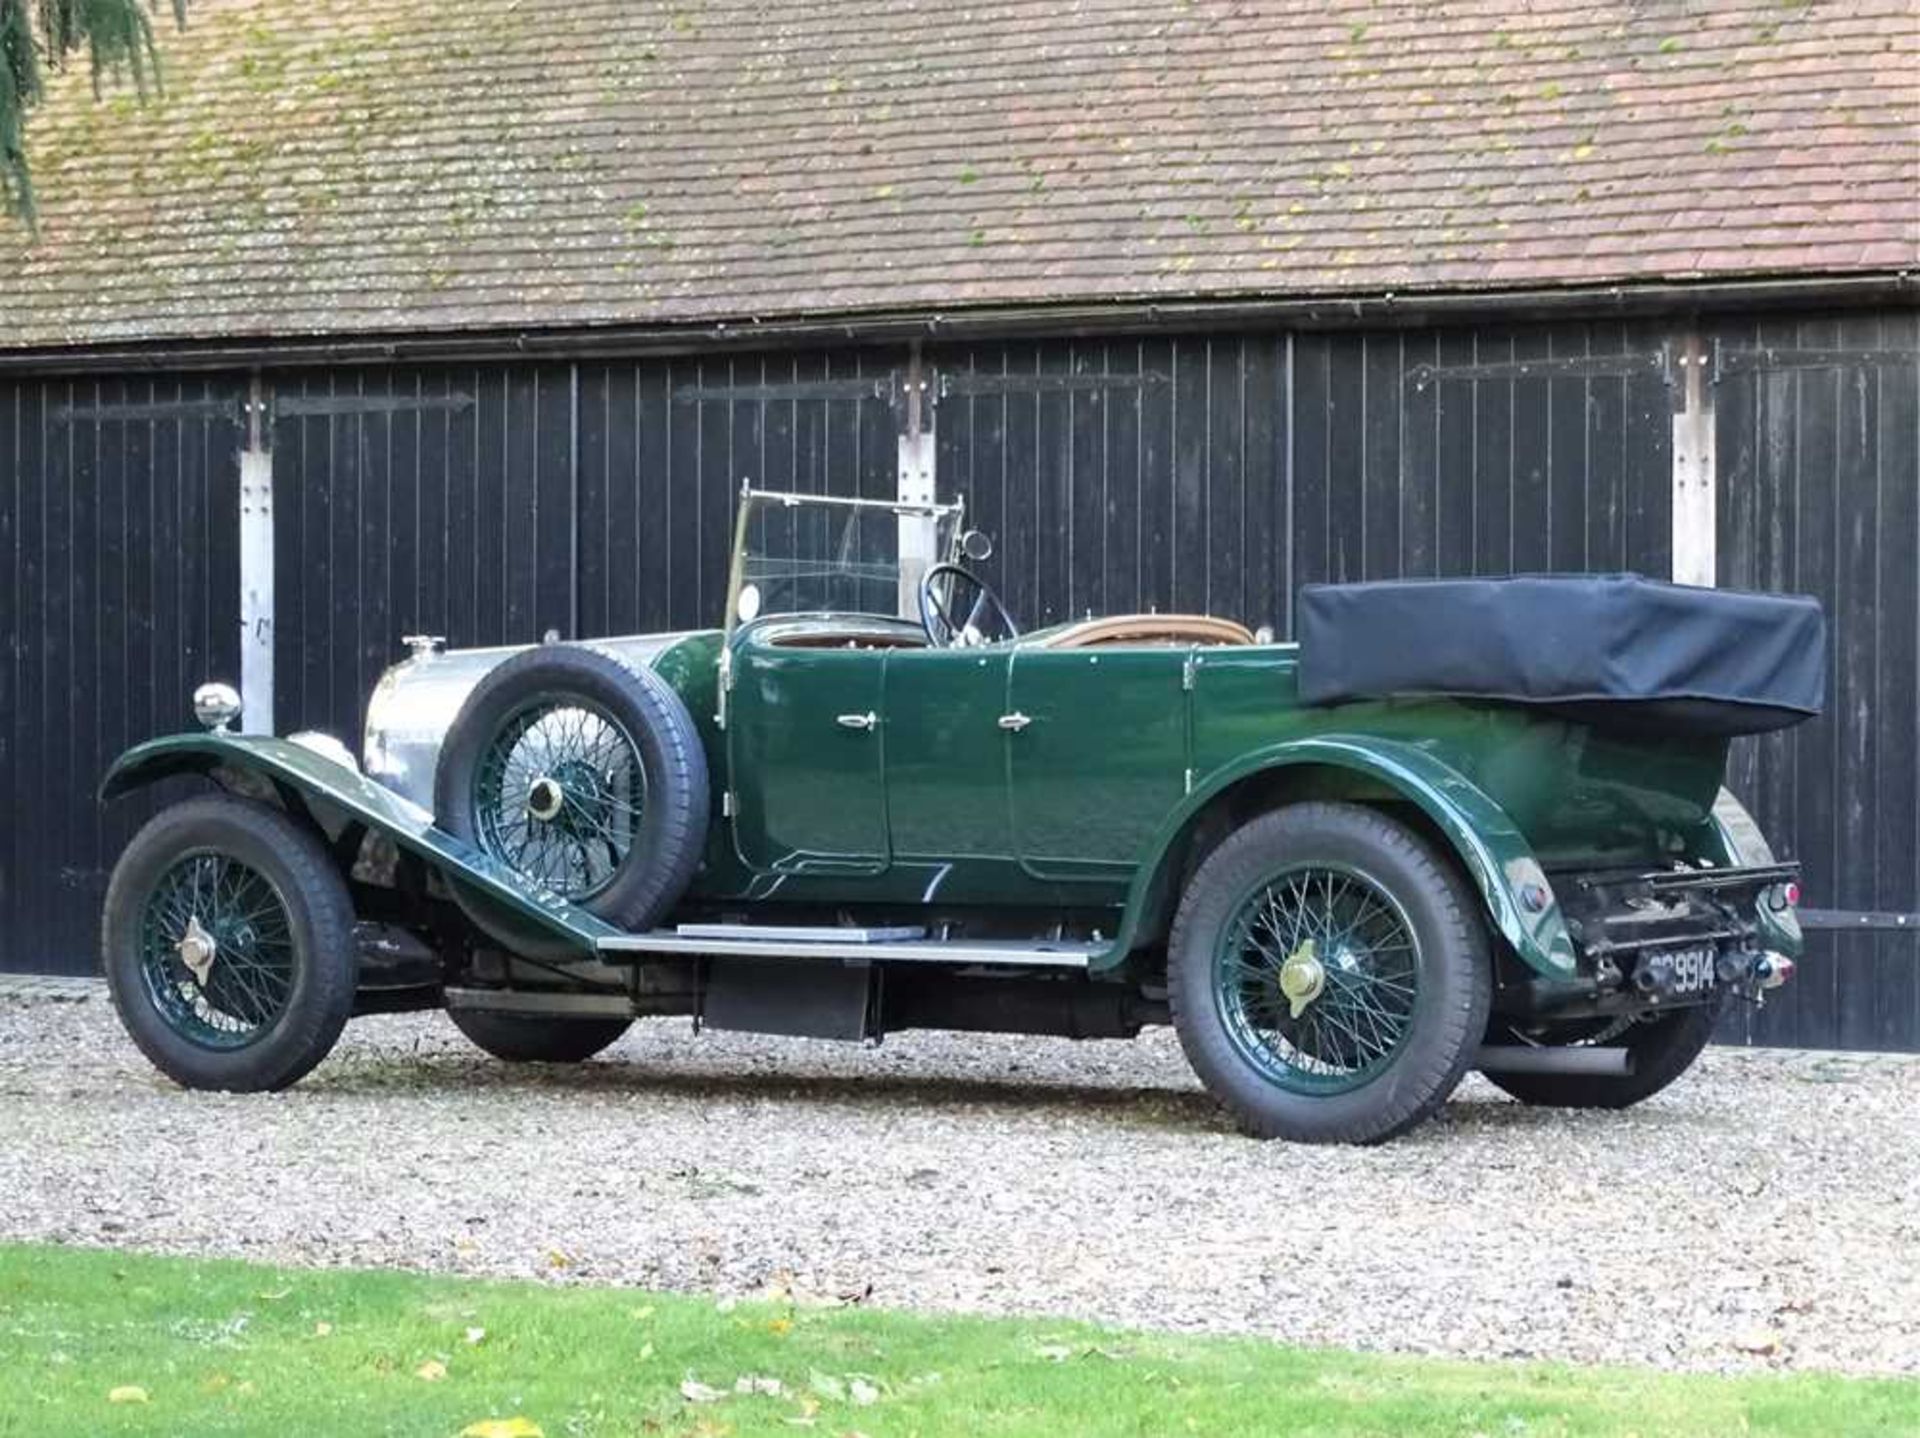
x: 1461, y: 824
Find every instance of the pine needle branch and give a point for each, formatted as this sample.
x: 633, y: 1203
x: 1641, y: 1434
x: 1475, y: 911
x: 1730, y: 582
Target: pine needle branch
x: 37, y: 36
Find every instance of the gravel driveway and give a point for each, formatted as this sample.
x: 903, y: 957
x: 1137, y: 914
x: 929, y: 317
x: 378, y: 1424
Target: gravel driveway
x: 1764, y: 1212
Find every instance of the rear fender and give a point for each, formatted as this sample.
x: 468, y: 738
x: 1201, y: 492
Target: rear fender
x: 1490, y: 848
x: 243, y: 761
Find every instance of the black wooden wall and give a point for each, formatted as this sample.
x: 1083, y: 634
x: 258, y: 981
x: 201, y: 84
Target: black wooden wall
x: 1818, y: 439
x: 119, y: 592
x: 495, y: 503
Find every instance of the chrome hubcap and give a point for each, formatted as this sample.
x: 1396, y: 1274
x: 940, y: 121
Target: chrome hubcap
x: 196, y: 949
x: 545, y: 798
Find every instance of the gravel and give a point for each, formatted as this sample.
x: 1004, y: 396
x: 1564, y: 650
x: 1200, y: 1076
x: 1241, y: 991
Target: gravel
x: 1763, y: 1213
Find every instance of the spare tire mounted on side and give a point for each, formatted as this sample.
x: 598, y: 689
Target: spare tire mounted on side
x: 583, y: 774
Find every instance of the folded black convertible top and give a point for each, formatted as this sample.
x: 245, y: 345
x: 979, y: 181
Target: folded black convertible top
x: 1613, y: 649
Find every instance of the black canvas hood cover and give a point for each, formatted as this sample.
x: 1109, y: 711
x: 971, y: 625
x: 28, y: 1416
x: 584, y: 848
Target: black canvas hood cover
x: 1613, y: 649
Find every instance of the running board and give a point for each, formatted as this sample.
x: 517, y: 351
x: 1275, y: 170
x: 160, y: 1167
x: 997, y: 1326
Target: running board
x: 831, y: 944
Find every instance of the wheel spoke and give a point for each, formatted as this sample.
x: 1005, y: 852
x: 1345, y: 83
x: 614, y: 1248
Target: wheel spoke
x: 249, y: 979
x: 578, y: 848
x: 1358, y: 982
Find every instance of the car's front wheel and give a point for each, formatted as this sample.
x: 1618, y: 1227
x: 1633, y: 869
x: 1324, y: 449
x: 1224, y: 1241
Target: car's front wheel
x: 228, y: 945
x: 1329, y: 976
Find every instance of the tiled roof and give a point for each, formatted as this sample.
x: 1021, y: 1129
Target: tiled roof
x: 329, y: 166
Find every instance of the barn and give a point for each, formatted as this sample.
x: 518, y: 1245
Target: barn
x: 387, y: 318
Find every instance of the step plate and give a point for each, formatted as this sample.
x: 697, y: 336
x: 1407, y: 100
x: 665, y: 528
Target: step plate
x: 800, y: 933
x: 1020, y: 953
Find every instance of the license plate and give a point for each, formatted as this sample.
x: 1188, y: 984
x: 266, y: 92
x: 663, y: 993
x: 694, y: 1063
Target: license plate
x: 1694, y: 970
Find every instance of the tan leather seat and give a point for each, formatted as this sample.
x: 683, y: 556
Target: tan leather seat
x: 1148, y: 630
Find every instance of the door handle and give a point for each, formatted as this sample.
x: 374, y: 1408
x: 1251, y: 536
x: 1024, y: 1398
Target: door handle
x: 1014, y: 722
x: 858, y: 721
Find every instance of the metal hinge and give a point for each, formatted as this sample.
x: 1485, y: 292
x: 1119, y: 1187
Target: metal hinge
x: 726, y: 803
x: 1187, y: 666
x: 1014, y: 722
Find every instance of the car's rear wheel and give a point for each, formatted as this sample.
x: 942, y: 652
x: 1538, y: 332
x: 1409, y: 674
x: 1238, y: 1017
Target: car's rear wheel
x: 1661, y: 1048
x: 1328, y: 974
x: 528, y: 1038
x: 582, y: 774
x: 228, y: 945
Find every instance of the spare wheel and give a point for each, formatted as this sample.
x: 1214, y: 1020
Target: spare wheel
x: 585, y: 775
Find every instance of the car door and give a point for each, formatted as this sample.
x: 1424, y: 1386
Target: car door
x: 946, y: 760
x: 804, y: 755
x: 1097, y: 756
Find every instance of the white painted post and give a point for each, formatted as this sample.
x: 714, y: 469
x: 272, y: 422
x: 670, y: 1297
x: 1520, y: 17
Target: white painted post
x: 1695, y: 501
x: 919, y: 535
x: 256, y: 572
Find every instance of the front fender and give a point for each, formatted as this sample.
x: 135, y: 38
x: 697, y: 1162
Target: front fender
x: 332, y: 786
x: 1492, y: 849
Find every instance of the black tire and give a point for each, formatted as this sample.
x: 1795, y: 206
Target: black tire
x: 671, y: 834
x: 1663, y: 1048
x: 319, y: 950
x: 1453, y: 973
x: 529, y: 1038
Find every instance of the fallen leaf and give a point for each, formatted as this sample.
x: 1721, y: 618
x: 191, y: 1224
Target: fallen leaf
x: 646, y: 1351
x: 755, y: 1383
x: 321, y: 1330
x: 432, y: 1371
x: 558, y: 1258
x: 694, y: 1391
x: 1761, y: 1341
x: 780, y: 1327
x: 475, y: 1335
x: 862, y: 1392
x: 503, y: 1428
x: 127, y: 1393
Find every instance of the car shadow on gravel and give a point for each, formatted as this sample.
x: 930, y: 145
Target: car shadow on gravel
x: 1153, y: 1107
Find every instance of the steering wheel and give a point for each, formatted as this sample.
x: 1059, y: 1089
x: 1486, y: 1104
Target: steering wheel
x: 938, y: 615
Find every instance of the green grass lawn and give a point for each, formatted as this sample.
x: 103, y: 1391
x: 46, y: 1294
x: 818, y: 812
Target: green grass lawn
x: 99, y: 1343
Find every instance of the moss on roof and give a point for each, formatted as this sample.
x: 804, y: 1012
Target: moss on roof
x: 321, y: 166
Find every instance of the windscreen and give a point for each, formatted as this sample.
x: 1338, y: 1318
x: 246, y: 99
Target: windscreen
x: 803, y: 557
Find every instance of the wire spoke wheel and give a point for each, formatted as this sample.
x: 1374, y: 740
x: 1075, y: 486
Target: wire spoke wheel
x: 1317, y: 977
x: 217, y: 951
x: 559, y: 793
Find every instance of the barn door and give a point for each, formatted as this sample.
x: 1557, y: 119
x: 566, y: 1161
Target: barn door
x: 119, y: 523
x: 1818, y: 438
x: 1122, y: 475
x: 409, y: 501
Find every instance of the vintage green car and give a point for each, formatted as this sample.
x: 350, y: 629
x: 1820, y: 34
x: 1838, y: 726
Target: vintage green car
x: 1472, y: 825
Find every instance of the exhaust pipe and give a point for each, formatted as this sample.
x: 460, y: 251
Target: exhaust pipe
x: 1599, y: 1060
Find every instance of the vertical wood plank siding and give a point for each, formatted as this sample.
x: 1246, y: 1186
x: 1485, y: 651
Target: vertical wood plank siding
x: 495, y: 503
x: 1818, y: 432
x: 119, y: 592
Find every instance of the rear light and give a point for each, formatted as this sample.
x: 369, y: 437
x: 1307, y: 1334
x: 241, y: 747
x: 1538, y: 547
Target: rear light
x: 1783, y: 896
x: 1773, y: 970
